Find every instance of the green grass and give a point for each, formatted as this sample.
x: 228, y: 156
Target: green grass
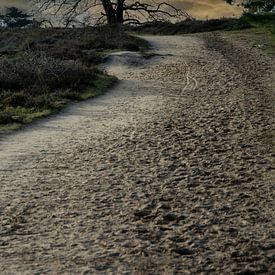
x: 262, y: 33
x: 101, y: 84
x: 264, y: 25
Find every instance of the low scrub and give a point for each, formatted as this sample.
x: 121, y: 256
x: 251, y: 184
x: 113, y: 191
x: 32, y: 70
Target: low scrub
x: 266, y: 19
x: 31, y: 70
x: 43, y: 69
x: 192, y: 26
x: 35, y: 83
x: 86, y: 45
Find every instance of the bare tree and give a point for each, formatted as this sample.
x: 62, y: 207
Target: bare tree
x: 113, y: 11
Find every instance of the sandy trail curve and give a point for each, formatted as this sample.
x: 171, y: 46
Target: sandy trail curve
x: 170, y: 172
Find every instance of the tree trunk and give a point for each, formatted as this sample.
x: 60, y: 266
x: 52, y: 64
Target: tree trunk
x: 109, y: 11
x: 119, y: 11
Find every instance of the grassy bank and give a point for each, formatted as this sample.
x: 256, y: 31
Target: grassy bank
x: 21, y: 108
x: 265, y: 20
x: 262, y: 33
x: 42, y: 70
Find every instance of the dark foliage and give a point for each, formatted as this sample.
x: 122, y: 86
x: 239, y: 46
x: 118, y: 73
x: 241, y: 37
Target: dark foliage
x: 85, y: 44
x: 32, y: 70
x: 42, y: 69
x: 192, y: 26
x: 262, y: 19
x: 255, y: 5
x: 15, y: 18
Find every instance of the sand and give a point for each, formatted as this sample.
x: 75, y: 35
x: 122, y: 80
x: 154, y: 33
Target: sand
x: 170, y: 172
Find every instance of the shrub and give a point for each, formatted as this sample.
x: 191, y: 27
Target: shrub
x: 5, y: 118
x: 43, y: 69
x: 15, y: 99
x: 40, y: 70
x: 192, y: 26
x: 260, y: 20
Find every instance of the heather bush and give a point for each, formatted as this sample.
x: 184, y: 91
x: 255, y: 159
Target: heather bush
x: 31, y: 69
x: 41, y: 70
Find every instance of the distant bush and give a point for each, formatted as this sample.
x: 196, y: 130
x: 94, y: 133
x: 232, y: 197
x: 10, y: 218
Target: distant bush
x: 84, y: 44
x: 192, y: 26
x: 15, y: 18
x: 266, y: 19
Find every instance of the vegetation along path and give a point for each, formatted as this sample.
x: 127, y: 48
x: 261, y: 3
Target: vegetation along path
x: 169, y: 172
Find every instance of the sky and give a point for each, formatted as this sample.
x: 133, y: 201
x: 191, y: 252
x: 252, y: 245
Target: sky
x: 204, y: 9
x: 201, y: 9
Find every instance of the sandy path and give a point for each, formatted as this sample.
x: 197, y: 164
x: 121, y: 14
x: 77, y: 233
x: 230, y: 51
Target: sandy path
x: 170, y: 172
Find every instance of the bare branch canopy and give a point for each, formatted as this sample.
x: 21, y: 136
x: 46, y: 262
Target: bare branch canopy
x: 113, y: 11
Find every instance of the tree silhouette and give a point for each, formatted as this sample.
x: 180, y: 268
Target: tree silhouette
x: 15, y: 18
x: 255, y: 5
x: 114, y: 11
